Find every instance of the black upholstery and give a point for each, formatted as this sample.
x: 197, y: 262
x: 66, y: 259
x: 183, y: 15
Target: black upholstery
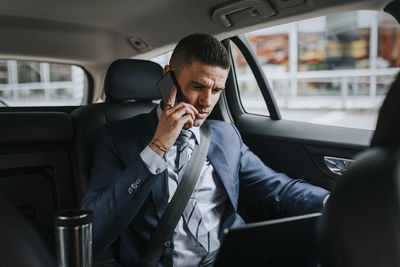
x: 20, y: 245
x: 393, y: 8
x: 35, y: 169
x: 130, y: 87
x: 361, y: 223
x: 387, y: 131
x: 129, y: 79
x: 33, y: 127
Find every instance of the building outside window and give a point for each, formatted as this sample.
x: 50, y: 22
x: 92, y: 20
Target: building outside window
x: 32, y: 83
x: 334, y: 69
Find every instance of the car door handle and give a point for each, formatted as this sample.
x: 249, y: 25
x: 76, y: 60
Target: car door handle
x: 337, y: 165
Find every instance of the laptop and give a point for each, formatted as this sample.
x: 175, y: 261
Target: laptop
x: 283, y: 242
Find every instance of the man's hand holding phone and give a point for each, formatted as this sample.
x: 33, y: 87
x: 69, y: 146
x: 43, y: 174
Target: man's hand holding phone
x: 172, y: 120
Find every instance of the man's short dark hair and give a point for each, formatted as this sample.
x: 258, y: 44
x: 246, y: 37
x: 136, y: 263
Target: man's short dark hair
x: 199, y: 47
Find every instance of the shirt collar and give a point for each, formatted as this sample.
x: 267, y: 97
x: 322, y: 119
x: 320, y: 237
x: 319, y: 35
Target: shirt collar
x: 194, y: 130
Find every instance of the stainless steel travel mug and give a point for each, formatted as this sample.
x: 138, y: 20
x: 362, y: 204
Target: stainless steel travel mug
x: 73, y: 231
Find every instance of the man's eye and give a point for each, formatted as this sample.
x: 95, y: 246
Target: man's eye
x: 217, y: 90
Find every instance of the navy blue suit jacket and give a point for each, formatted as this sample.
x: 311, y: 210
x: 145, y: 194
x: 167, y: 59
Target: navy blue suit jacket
x: 119, y: 210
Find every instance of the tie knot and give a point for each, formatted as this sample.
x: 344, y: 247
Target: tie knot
x: 184, y: 136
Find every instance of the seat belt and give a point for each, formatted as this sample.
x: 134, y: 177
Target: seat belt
x: 178, y: 203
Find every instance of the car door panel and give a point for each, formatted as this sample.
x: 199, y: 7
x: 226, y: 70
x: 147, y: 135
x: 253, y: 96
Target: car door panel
x: 298, y: 148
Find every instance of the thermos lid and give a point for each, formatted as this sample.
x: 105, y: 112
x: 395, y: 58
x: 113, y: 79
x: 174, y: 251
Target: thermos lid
x: 73, y: 217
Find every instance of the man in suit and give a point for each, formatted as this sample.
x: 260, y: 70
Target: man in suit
x: 136, y: 170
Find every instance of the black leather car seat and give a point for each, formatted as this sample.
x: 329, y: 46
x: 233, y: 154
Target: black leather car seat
x: 387, y: 131
x: 20, y: 244
x: 361, y: 223
x: 130, y: 89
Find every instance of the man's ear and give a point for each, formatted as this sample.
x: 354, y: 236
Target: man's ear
x: 166, y: 69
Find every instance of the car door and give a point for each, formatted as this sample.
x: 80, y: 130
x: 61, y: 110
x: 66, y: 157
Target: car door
x: 302, y: 148
x: 294, y: 147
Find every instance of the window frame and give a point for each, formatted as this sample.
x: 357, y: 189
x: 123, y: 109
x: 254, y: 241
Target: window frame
x: 87, y: 97
x: 243, y: 45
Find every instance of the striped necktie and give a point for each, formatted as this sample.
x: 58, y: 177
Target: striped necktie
x: 191, y: 215
x: 183, y: 151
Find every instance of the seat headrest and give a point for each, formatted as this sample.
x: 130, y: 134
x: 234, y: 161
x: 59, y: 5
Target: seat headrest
x: 387, y: 131
x: 361, y: 221
x: 132, y: 79
x: 393, y: 8
x: 20, y: 243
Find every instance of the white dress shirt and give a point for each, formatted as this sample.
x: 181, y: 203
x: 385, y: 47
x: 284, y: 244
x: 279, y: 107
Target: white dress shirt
x: 210, y: 196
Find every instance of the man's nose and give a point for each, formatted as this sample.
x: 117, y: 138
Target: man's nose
x: 205, y: 98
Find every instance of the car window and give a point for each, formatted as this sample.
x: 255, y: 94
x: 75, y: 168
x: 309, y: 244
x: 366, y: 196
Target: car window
x: 162, y: 59
x: 332, y: 70
x: 32, y: 83
x: 249, y: 91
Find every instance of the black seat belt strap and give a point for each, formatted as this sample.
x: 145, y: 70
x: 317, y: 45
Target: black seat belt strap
x: 178, y: 203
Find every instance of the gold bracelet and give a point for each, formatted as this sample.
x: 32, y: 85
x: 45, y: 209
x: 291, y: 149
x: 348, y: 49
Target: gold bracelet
x: 158, y: 144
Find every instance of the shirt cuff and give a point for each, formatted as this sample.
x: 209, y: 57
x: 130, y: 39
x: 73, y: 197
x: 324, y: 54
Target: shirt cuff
x: 154, y: 163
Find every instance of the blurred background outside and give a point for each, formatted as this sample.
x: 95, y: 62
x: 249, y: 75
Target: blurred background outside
x: 31, y: 83
x: 334, y: 69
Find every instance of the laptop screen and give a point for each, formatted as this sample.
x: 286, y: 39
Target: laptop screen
x: 282, y: 242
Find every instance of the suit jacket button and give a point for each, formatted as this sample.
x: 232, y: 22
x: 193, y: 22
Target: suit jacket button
x: 138, y: 181
x: 134, y: 186
x: 130, y: 190
x: 167, y: 244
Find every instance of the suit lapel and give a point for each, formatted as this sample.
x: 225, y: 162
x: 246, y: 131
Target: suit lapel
x: 220, y: 161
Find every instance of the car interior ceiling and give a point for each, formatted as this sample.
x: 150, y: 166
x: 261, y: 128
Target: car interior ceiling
x: 45, y: 153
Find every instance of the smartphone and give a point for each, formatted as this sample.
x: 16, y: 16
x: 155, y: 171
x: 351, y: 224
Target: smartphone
x: 165, y: 85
